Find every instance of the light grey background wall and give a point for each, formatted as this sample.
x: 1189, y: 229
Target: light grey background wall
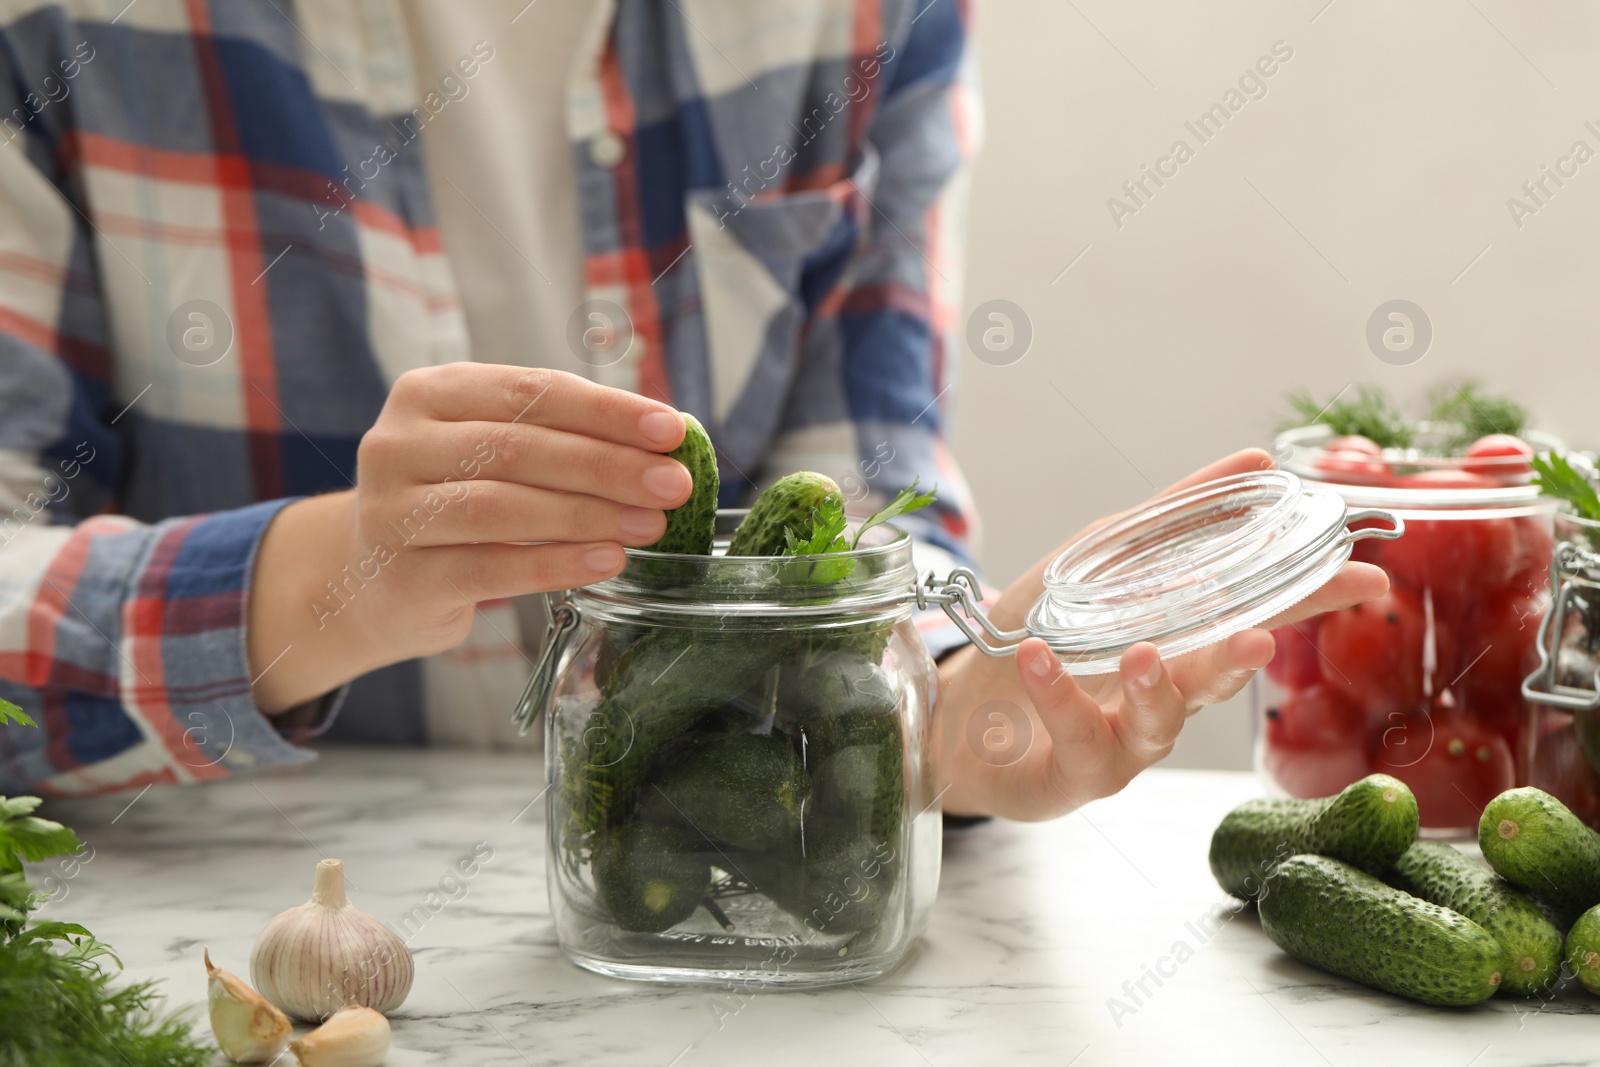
x: 1376, y: 163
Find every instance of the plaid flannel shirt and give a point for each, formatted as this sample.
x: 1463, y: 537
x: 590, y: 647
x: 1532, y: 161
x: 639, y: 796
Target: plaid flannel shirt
x: 217, y: 253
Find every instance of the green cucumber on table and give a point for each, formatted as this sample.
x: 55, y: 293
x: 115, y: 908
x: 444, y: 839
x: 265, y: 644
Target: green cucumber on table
x: 1537, y: 844
x: 1583, y: 949
x: 1345, y: 921
x: 1369, y: 825
x: 1442, y: 875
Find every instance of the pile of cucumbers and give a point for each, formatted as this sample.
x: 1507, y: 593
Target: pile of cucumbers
x: 727, y: 758
x: 1342, y: 883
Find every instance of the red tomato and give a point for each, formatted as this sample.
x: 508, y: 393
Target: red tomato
x: 1535, y: 546
x: 1458, y: 559
x: 1560, y: 769
x: 1499, y: 455
x: 1453, y: 761
x: 1353, y: 457
x: 1447, y: 479
x: 1373, y: 654
x: 1315, y: 743
x: 1294, y: 665
x: 1497, y: 652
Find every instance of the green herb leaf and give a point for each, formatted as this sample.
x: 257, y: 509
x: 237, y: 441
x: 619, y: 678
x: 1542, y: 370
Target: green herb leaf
x: 1370, y: 414
x: 907, y: 500
x: 1556, y: 477
x: 9, y: 712
x: 1477, y: 414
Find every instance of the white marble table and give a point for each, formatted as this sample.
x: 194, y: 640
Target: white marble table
x: 1035, y: 932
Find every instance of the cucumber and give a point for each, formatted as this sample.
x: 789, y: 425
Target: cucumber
x: 692, y: 525
x: 743, y: 790
x: 1583, y: 949
x: 788, y: 503
x: 650, y: 878
x: 1445, y: 876
x: 1369, y: 825
x: 1333, y: 916
x: 1539, y: 846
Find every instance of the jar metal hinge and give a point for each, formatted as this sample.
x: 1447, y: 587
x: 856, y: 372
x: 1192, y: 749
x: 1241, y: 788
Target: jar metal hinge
x: 563, y: 619
x: 958, y: 593
x: 1573, y: 591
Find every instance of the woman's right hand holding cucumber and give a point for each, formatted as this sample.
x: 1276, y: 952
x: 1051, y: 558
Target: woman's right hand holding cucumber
x: 477, y: 482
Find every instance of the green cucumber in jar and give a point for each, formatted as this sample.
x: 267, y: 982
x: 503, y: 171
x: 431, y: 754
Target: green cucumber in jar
x: 691, y: 526
x: 788, y: 504
x: 649, y: 878
x: 742, y: 790
x: 1537, y: 844
x: 1370, y: 824
x: 1331, y: 915
x: 1442, y: 875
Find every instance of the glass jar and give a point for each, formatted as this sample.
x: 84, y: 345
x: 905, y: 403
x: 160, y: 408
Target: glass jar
x: 1564, y: 691
x: 740, y: 750
x: 1426, y: 682
x: 740, y: 768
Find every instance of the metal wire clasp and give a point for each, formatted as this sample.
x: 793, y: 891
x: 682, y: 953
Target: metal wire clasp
x: 959, y: 593
x: 1572, y: 590
x: 564, y: 618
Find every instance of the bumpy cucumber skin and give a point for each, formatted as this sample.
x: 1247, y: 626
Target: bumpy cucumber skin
x: 1444, y: 876
x: 789, y: 502
x: 650, y: 878
x: 1333, y: 916
x: 692, y: 525
x: 1369, y: 825
x: 742, y: 790
x: 1539, y: 846
x: 1583, y: 949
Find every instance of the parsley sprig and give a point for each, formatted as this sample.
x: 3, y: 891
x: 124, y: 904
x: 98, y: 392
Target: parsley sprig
x: 1556, y: 477
x: 829, y: 532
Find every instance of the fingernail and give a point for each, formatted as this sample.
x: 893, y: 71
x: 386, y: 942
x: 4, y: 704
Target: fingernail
x: 603, y: 560
x: 1042, y: 663
x: 662, y: 428
x: 1150, y: 677
x: 639, y: 522
x: 666, y: 481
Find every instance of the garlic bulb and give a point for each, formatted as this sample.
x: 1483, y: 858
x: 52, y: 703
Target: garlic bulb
x: 352, y: 1037
x: 248, y: 1028
x: 317, y: 958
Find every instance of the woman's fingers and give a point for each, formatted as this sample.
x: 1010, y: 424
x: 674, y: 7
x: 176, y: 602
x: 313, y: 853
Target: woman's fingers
x: 1216, y: 672
x: 493, y: 572
x: 538, y: 456
x: 1152, y: 711
x: 487, y: 392
x: 483, y: 511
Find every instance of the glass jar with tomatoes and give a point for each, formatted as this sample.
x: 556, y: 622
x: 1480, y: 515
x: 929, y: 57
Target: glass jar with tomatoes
x: 1564, y: 690
x: 1424, y: 683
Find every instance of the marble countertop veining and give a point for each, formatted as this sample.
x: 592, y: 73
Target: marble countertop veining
x: 1096, y: 939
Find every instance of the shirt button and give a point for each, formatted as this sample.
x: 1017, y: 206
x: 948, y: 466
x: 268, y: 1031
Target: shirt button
x: 607, y: 149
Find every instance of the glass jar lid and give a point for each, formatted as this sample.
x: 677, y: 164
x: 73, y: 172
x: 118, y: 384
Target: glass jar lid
x: 1195, y: 567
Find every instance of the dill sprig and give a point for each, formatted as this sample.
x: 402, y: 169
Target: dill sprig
x: 1370, y: 414
x: 1475, y: 413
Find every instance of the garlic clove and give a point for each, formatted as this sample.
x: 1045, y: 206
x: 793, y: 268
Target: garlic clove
x: 325, y: 954
x: 352, y: 1037
x: 247, y: 1027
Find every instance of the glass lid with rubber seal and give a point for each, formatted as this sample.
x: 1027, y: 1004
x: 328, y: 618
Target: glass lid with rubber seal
x: 1182, y: 572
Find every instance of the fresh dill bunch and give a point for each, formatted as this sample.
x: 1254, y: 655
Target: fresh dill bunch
x: 1370, y: 414
x: 1476, y: 414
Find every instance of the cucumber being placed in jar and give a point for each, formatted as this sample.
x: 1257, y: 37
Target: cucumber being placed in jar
x: 1445, y: 876
x: 1370, y: 825
x: 1583, y: 949
x: 1333, y: 916
x: 742, y: 790
x: 1543, y: 849
x: 650, y: 878
x: 788, y: 503
x: 691, y: 526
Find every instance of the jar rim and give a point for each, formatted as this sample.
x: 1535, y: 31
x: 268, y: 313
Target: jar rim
x: 876, y: 575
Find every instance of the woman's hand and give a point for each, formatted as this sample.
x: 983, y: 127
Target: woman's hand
x: 467, y: 464
x: 1087, y: 738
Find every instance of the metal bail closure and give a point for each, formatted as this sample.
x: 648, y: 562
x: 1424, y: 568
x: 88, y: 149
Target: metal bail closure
x: 564, y: 619
x: 958, y: 593
x: 1575, y: 592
